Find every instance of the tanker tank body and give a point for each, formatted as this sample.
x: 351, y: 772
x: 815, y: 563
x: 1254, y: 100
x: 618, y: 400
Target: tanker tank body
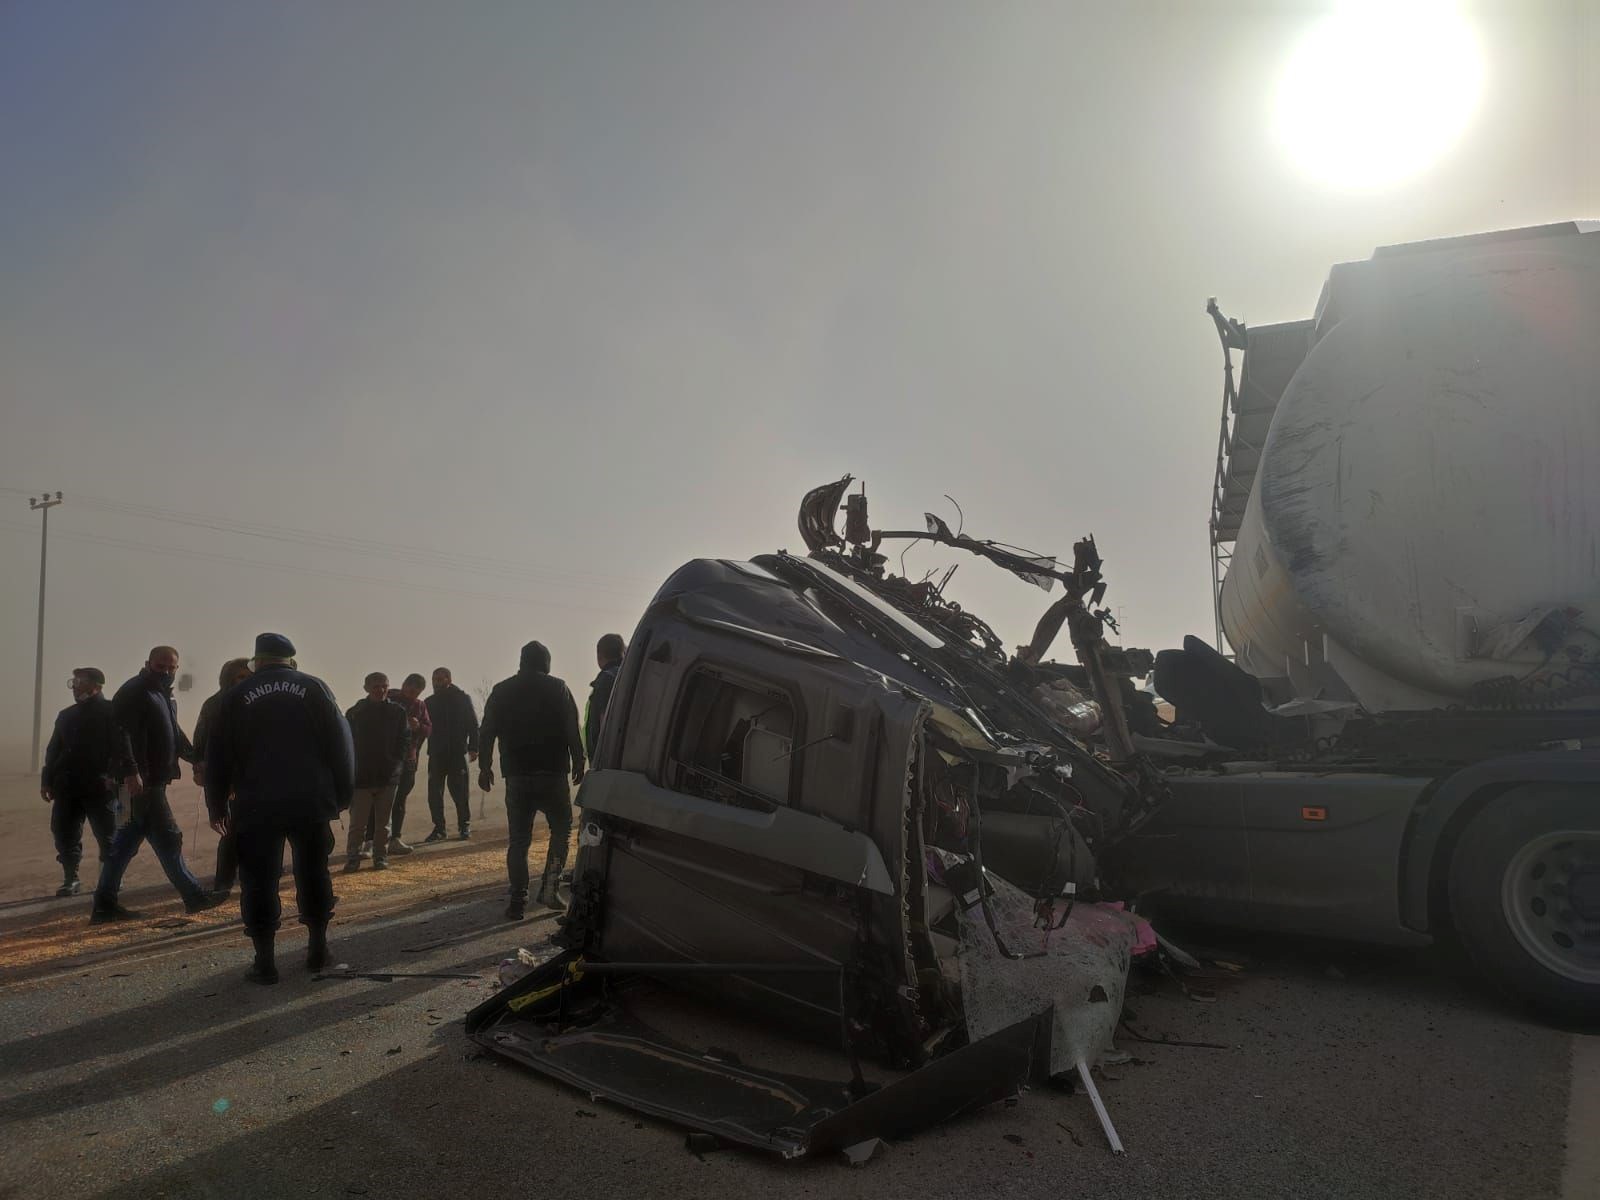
x: 1421, y: 527
x: 1405, y: 534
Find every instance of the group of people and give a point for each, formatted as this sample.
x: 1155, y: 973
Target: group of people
x: 279, y: 763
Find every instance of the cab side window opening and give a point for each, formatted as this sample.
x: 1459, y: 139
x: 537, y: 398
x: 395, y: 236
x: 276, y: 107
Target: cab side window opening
x: 733, y: 742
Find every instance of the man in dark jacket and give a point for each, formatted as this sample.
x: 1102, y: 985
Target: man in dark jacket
x: 453, y: 742
x: 81, y: 767
x: 235, y: 670
x: 282, y: 752
x: 535, y: 720
x: 608, y: 654
x: 379, y: 731
x: 147, y: 719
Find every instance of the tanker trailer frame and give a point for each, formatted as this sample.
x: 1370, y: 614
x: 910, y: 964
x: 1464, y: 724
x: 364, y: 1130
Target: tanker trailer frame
x: 1382, y: 746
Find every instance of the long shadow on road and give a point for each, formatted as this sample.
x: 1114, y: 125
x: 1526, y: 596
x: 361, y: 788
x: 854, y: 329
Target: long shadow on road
x: 212, y: 1003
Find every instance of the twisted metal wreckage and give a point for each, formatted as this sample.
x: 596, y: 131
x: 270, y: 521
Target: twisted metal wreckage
x: 825, y: 794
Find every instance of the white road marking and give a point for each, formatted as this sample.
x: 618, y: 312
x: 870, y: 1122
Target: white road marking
x: 1581, y: 1179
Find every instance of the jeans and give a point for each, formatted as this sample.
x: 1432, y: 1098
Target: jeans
x: 149, y: 818
x: 369, y: 809
x: 397, y: 814
x: 261, y: 862
x: 454, y: 773
x: 67, y: 815
x: 547, y: 793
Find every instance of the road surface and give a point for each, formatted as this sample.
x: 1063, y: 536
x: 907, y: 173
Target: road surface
x: 140, y: 1064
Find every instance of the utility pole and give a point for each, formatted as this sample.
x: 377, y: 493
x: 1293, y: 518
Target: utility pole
x: 43, y: 504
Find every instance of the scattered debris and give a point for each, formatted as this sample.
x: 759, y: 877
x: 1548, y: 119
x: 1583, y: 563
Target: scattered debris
x: 861, y: 1153
x: 1014, y: 1138
x: 394, y: 1050
x: 391, y: 976
x: 1167, y: 1040
x: 702, y: 1144
x: 1071, y: 1133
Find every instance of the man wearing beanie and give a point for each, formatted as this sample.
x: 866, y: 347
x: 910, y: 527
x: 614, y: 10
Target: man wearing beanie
x: 81, y: 767
x: 281, y: 748
x: 535, y: 720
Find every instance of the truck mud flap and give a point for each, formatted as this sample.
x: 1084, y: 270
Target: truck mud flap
x: 583, y: 1030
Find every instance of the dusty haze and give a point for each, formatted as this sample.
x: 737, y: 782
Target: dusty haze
x: 560, y: 297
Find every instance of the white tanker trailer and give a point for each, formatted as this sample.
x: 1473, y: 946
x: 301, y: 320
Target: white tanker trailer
x: 1405, y: 532
x: 1421, y: 525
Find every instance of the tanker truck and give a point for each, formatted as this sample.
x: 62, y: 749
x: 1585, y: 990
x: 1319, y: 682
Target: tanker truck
x: 1396, y: 733
x: 831, y: 796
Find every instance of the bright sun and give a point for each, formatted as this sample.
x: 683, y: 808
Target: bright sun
x: 1378, y: 92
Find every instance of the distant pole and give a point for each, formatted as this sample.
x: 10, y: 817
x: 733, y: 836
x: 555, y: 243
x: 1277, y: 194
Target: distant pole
x: 43, y: 504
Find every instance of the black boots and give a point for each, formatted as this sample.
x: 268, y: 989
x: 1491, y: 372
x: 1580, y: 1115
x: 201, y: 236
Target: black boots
x: 317, y: 947
x: 264, y: 969
x: 517, y: 909
x: 69, y: 883
x: 102, y: 914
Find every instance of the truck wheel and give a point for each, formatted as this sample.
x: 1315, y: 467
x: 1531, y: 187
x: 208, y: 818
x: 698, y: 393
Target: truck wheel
x: 1525, y: 898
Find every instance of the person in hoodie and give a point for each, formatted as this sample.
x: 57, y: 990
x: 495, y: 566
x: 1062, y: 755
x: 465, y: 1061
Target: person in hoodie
x: 147, y: 719
x: 235, y: 670
x: 82, y: 765
x: 452, y: 743
x: 535, y: 719
x: 379, y: 731
x: 280, y: 768
x: 608, y: 654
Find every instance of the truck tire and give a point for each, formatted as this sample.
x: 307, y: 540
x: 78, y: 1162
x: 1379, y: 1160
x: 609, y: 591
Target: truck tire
x: 1525, y: 897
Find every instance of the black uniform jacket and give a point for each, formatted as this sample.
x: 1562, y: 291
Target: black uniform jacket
x: 85, y: 753
x: 282, y: 747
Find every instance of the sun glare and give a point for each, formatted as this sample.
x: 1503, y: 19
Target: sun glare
x: 1379, y: 92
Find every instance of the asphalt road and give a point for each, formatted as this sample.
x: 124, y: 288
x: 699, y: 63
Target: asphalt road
x: 154, y: 1070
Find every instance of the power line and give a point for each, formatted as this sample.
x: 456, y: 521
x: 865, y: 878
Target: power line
x: 316, y: 572
x: 411, y: 555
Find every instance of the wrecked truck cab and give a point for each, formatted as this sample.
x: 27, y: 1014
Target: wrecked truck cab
x: 803, y: 807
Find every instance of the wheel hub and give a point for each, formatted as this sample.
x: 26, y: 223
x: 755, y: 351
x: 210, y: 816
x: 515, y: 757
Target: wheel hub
x: 1585, y: 890
x: 1551, y: 898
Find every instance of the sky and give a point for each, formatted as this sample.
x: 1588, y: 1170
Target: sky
x: 490, y: 315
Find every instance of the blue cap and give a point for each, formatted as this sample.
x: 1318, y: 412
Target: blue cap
x: 273, y: 645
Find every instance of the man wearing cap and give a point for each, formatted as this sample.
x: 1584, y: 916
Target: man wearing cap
x: 147, y: 721
x: 280, y: 767
x: 379, y: 732
x: 81, y: 767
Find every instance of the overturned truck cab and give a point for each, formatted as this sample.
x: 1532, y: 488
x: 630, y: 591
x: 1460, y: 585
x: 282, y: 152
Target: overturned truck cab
x: 826, y: 797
